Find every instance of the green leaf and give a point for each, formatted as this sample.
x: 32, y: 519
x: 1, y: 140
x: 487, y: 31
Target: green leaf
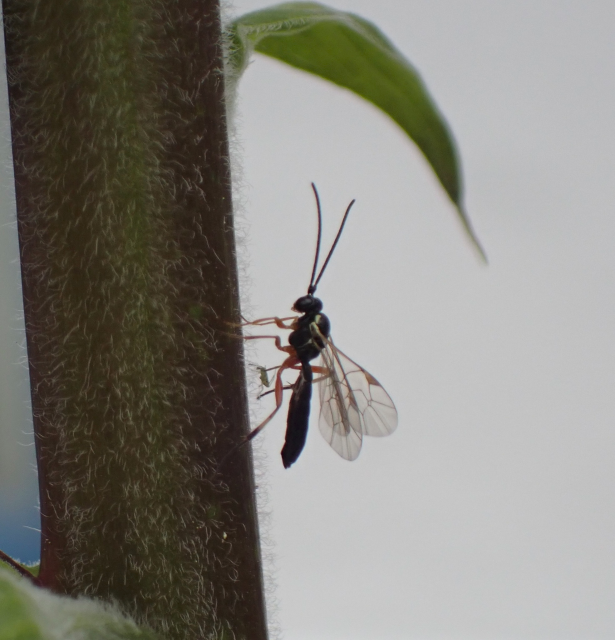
x: 16, y: 622
x: 30, y: 613
x: 351, y: 52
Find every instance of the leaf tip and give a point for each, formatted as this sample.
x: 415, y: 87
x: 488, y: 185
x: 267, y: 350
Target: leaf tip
x: 467, y: 225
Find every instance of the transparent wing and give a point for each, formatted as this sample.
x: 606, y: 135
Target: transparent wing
x: 352, y: 404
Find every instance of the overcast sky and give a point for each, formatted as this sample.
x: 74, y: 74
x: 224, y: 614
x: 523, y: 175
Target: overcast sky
x: 489, y: 514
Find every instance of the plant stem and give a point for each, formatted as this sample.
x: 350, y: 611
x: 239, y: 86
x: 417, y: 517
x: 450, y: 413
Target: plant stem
x: 130, y: 283
x: 15, y: 565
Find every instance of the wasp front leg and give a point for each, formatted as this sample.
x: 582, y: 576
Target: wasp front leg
x: 279, y: 322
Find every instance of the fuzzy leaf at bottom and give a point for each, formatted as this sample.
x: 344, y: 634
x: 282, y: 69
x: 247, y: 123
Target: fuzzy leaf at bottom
x: 30, y: 613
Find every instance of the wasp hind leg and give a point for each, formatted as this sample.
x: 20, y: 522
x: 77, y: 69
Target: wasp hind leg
x: 289, y: 363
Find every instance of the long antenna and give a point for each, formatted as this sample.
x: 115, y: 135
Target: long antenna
x: 312, y: 286
x: 337, y: 237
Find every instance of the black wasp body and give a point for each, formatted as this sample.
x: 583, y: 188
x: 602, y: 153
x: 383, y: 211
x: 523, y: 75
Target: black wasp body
x: 309, y: 329
x: 352, y: 401
x: 308, y: 339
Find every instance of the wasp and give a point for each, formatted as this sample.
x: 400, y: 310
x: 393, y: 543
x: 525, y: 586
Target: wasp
x: 353, y: 403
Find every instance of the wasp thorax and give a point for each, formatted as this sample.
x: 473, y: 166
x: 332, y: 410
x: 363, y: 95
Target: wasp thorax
x: 308, y: 304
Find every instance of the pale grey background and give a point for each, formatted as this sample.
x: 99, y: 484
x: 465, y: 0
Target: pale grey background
x: 489, y: 513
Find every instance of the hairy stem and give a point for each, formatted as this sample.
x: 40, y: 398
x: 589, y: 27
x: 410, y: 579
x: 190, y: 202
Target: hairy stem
x: 129, y: 279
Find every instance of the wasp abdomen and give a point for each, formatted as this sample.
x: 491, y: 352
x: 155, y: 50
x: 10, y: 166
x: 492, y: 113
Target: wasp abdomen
x: 298, y: 417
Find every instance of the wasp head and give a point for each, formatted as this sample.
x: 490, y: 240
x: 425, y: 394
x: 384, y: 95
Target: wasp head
x: 307, y: 304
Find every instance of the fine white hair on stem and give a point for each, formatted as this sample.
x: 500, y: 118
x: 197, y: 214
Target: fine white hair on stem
x: 242, y: 234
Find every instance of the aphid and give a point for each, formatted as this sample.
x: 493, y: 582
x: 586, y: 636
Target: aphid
x: 263, y: 375
x: 352, y: 401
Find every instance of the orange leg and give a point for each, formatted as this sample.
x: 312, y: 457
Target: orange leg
x: 279, y: 322
x: 296, y: 367
x: 278, y: 342
x: 291, y: 362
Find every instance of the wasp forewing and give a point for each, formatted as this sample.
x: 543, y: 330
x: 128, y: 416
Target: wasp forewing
x: 353, y: 404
